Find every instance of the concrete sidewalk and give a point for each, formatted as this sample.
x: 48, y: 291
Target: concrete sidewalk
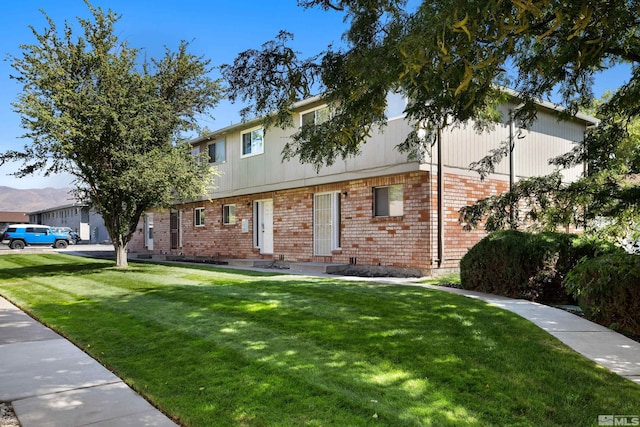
x: 50, y: 382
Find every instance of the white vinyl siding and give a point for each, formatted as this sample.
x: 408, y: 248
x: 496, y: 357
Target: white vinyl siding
x: 251, y: 174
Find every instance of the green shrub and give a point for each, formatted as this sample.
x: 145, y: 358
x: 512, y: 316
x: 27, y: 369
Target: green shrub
x: 607, y: 288
x: 525, y: 265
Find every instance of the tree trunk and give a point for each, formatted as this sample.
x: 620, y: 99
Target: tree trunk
x: 121, y: 254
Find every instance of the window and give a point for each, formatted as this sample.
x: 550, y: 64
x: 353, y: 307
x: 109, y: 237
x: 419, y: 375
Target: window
x: 198, y: 217
x: 229, y: 214
x: 42, y: 230
x: 387, y: 201
x: 253, y: 142
x: 197, y: 153
x: 217, y: 152
x: 318, y: 116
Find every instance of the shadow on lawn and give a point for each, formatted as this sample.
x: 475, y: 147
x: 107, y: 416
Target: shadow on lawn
x: 26, y: 270
x: 324, y: 352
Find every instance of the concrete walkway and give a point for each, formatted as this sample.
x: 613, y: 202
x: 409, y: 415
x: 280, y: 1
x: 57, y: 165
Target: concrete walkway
x: 52, y: 383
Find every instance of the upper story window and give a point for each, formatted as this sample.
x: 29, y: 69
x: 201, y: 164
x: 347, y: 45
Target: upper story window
x: 198, y: 217
x: 388, y: 201
x: 252, y: 142
x: 217, y: 152
x: 316, y: 116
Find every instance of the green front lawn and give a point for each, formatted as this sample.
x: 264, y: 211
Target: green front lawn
x: 217, y: 347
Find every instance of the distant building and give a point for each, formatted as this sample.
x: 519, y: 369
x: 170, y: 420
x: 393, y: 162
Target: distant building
x: 7, y: 218
x: 78, y: 216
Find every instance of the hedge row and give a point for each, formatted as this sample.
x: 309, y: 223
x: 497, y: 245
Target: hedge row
x: 524, y: 265
x: 608, y: 290
x: 558, y: 268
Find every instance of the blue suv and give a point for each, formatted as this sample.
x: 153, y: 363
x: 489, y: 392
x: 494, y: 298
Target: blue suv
x: 18, y: 236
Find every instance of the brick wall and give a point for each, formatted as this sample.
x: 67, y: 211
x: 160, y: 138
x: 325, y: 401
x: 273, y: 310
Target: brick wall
x: 404, y: 241
x: 460, y: 191
x: 389, y: 241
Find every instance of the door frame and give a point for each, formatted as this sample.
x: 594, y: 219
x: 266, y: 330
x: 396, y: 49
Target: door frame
x: 148, y: 231
x: 175, y: 238
x: 331, y: 229
x: 263, y: 226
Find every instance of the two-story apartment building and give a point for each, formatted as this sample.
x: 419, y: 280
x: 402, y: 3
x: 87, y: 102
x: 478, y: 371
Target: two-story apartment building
x: 378, y: 208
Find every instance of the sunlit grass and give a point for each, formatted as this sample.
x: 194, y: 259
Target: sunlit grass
x: 228, y: 348
x: 443, y: 279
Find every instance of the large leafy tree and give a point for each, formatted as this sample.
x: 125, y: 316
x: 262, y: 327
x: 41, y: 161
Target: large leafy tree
x: 92, y: 108
x: 451, y: 58
x: 604, y: 200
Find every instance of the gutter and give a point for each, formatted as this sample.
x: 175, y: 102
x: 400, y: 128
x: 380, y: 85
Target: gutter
x: 251, y: 122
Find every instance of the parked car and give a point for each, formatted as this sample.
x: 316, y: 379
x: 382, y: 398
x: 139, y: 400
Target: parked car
x: 73, y: 236
x: 17, y: 236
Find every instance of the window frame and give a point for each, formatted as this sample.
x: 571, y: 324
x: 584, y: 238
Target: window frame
x: 242, y: 144
x: 391, y: 212
x: 198, y: 217
x: 224, y: 151
x: 315, y: 115
x: 226, y: 216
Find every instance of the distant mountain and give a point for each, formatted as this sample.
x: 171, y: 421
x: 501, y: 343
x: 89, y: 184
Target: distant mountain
x: 34, y: 199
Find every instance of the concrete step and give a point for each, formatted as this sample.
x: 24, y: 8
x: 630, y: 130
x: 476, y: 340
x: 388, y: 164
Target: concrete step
x: 249, y: 262
x: 318, y: 267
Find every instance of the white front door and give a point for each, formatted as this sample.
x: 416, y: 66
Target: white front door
x: 264, y: 226
x: 148, y: 231
x: 85, y: 232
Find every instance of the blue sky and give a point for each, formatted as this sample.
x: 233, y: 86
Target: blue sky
x: 216, y: 29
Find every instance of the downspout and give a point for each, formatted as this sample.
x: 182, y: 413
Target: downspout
x: 511, y: 146
x: 440, y: 201
x: 585, y: 168
x: 512, y: 178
